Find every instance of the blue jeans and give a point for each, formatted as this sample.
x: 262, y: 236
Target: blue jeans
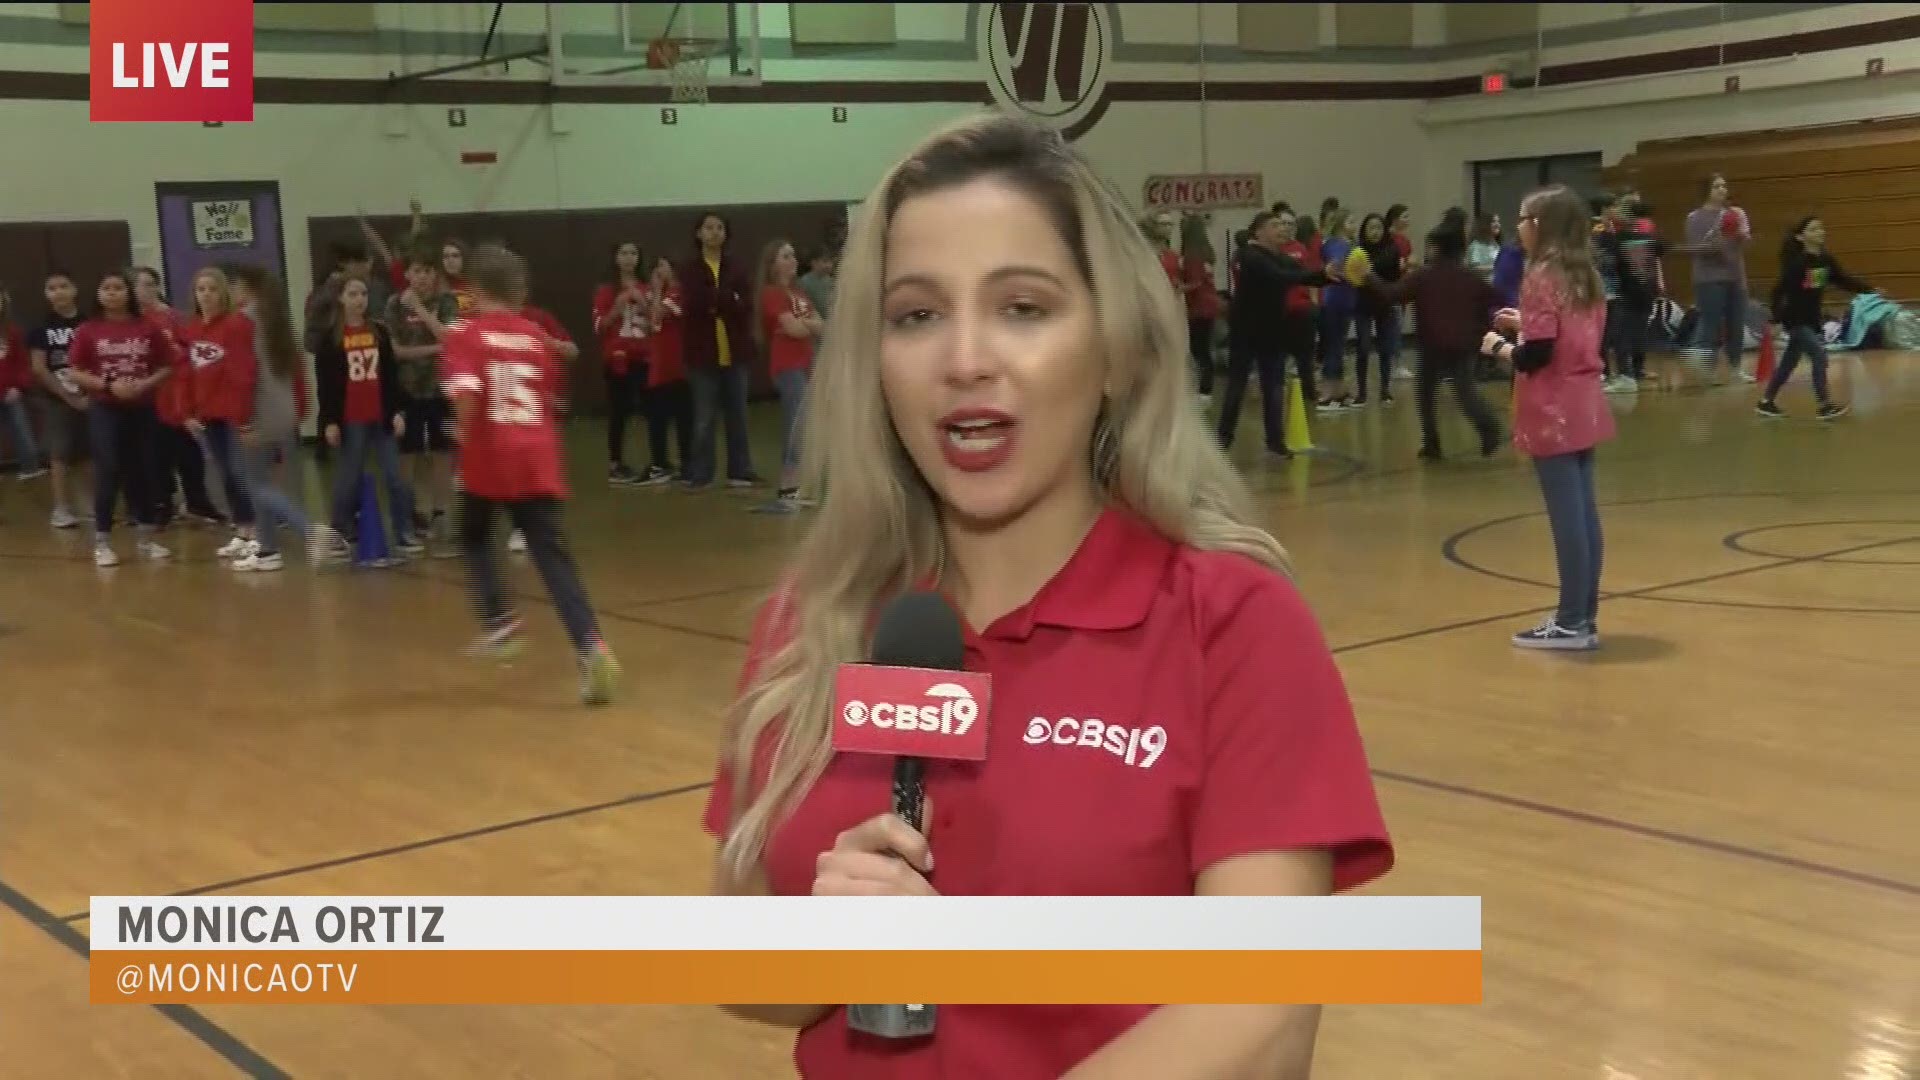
x: 1566, y: 482
x: 719, y: 393
x: 793, y: 394
x: 225, y: 449
x: 1334, y: 325
x: 25, y: 450
x: 1801, y: 340
x: 357, y: 442
x: 273, y: 510
x: 1380, y: 330
x: 1722, y: 307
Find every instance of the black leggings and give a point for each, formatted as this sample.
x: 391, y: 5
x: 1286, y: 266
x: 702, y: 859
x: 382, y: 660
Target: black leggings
x: 1200, y: 344
x: 669, y: 406
x: 182, y: 467
x: 1457, y: 367
x: 123, y: 465
x: 623, y: 404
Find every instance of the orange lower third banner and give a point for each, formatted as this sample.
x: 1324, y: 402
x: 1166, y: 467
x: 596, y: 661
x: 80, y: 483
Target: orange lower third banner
x: 528, y: 977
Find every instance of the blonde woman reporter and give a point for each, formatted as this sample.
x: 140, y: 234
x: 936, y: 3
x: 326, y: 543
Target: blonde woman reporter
x: 1003, y: 406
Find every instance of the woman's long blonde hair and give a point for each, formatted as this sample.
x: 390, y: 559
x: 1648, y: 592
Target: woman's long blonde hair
x: 226, y: 292
x: 878, y: 528
x: 1563, y: 243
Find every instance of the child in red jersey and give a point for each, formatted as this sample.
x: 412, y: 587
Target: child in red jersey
x: 362, y: 414
x: 623, y: 318
x: 218, y: 347
x: 180, y: 464
x: 668, y: 402
x: 119, y: 360
x: 788, y: 329
x: 16, y: 378
x: 503, y: 375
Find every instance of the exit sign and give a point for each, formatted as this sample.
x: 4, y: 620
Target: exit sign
x: 1493, y: 82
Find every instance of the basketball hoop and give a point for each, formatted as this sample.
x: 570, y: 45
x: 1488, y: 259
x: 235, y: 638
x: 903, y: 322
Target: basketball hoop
x: 686, y: 63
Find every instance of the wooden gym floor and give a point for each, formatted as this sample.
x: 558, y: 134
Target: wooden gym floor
x: 1697, y: 847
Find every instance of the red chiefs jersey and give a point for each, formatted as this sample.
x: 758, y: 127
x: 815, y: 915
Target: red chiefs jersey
x: 623, y: 338
x: 669, y: 340
x: 510, y: 448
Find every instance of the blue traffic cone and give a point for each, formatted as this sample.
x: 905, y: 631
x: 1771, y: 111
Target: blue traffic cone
x: 370, y: 541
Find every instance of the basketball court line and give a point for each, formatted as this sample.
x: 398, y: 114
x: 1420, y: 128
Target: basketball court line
x: 245, y: 1058
x: 1697, y: 842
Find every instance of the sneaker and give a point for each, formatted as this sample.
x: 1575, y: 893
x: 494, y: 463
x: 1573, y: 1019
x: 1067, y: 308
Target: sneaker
x: 655, y: 476
x: 324, y: 545
x: 152, y: 552
x: 1386, y: 400
x: 1551, y: 635
x: 599, y: 672
x: 237, y: 548
x: 32, y: 472
x: 1747, y: 376
x: 1832, y: 411
x: 62, y: 518
x: 746, y: 481
x: 260, y: 562
x: 1768, y: 408
x: 1620, y: 384
x: 501, y: 642
x: 1402, y: 373
x: 621, y: 476
x: 411, y: 547
x: 1329, y: 406
x: 104, y: 555
x: 517, y: 541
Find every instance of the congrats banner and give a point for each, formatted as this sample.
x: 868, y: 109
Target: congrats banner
x: 661, y: 950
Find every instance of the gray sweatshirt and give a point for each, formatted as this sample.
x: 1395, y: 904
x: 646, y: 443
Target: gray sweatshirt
x: 1716, y: 256
x: 275, y: 415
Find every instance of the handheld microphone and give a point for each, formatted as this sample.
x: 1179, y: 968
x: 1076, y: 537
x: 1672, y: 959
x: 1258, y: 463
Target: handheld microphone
x: 913, y: 701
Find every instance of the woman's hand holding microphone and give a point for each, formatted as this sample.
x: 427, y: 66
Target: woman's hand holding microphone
x: 882, y: 856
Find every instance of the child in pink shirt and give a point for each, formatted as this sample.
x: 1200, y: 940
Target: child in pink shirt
x: 1560, y: 410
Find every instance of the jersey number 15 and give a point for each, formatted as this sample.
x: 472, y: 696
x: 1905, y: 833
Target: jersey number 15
x: 513, y: 397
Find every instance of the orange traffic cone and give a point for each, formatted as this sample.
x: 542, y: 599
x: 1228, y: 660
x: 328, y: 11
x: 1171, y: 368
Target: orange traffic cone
x: 1764, y: 369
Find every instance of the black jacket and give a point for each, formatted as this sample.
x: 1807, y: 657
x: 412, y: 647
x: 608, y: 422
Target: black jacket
x: 1804, y: 278
x: 330, y: 375
x: 1257, y: 315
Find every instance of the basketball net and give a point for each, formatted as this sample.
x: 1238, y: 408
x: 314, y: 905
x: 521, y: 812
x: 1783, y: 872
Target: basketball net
x: 686, y: 67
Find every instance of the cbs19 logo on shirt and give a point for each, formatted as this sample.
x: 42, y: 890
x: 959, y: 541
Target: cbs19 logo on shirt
x: 170, y: 60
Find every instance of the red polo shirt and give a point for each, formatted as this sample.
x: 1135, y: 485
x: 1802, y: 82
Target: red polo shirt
x: 1156, y: 710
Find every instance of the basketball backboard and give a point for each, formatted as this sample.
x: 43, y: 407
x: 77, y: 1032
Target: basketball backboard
x: 607, y: 44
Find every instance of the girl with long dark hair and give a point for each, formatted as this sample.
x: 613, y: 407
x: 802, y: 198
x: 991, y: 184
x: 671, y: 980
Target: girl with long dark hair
x: 1203, y: 296
x: 361, y: 414
x: 270, y: 435
x: 624, y: 313
x: 1560, y: 411
x: 121, y: 359
x: 1806, y: 269
x: 719, y: 320
x: 1379, y: 317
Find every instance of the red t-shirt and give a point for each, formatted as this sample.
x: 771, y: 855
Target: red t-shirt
x: 784, y: 352
x: 1300, y: 297
x: 1203, y: 300
x: 16, y: 365
x: 1158, y: 746
x: 174, y: 399
x: 623, y: 338
x: 220, y: 354
x: 361, y: 346
x: 1560, y: 408
x: 669, y: 341
x: 511, y: 446
x: 119, y: 348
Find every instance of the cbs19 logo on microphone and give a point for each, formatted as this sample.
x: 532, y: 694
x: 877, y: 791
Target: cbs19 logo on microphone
x: 911, y: 711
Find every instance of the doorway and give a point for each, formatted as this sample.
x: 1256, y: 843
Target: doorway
x: 205, y: 223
